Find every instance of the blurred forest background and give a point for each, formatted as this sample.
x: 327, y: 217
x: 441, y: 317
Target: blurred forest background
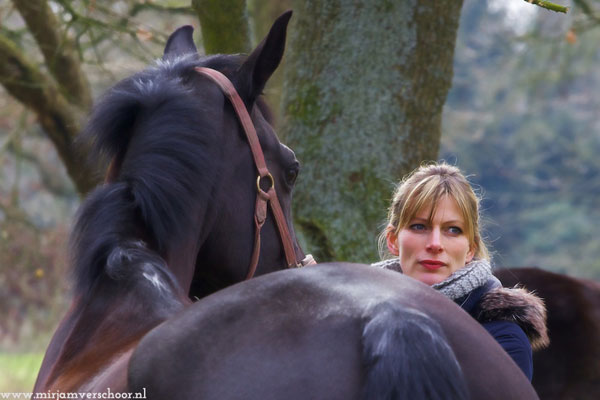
x: 521, y: 119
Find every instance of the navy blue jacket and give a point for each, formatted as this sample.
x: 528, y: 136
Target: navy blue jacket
x: 508, y: 334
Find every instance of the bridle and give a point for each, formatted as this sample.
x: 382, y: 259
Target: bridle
x: 263, y: 198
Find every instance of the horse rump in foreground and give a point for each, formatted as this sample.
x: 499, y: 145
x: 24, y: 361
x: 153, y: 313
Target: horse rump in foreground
x: 569, y: 368
x: 177, y: 220
x: 333, y: 331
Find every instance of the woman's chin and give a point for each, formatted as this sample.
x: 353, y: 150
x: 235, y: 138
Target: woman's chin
x: 431, y: 278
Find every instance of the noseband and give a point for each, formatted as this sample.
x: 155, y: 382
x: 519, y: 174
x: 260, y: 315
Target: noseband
x: 263, y: 197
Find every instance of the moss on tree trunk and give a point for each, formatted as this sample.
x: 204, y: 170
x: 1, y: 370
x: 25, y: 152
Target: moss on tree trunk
x: 224, y: 25
x: 363, y: 95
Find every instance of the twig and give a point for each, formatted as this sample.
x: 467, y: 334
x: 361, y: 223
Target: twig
x: 549, y: 6
x: 58, y: 50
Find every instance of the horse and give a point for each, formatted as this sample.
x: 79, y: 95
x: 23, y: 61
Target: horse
x: 570, y: 367
x: 173, y: 220
x: 178, y: 219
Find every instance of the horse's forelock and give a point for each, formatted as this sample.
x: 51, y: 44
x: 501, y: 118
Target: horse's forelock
x: 111, y: 122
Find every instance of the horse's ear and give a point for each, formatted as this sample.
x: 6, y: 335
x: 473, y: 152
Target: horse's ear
x: 262, y: 62
x: 180, y: 42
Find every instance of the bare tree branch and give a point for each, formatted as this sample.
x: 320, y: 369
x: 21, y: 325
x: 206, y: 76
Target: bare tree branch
x: 139, y: 7
x: 58, y: 50
x: 57, y: 117
x: 50, y: 180
x: 122, y: 23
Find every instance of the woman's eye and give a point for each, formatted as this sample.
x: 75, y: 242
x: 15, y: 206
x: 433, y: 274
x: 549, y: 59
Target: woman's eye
x: 418, y: 227
x: 455, y: 230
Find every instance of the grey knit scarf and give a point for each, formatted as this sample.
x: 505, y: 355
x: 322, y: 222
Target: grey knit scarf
x: 475, y: 274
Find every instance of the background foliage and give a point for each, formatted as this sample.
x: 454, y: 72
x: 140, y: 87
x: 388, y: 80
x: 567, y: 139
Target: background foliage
x: 522, y: 117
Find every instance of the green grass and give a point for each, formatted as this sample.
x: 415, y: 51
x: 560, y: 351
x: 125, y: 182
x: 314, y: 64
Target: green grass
x: 18, y: 371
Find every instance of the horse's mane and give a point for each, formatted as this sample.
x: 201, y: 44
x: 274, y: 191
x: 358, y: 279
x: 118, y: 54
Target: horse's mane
x: 156, y: 126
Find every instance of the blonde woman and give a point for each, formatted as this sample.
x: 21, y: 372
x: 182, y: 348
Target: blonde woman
x: 433, y: 236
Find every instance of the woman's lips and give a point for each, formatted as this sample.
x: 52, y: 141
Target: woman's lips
x: 432, y: 264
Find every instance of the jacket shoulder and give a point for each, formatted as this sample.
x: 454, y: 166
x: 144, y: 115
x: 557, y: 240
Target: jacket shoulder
x: 519, y: 306
x: 513, y: 340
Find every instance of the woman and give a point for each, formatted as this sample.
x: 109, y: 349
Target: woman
x: 433, y: 234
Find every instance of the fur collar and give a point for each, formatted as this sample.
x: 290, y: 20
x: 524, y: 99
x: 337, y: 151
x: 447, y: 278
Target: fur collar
x: 489, y: 301
x: 519, y: 306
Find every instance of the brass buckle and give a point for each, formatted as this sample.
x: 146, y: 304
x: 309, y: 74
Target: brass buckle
x: 266, y: 176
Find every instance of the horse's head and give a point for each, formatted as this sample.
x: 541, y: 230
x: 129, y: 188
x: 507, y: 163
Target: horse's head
x: 186, y: 173
x: 224, y: 257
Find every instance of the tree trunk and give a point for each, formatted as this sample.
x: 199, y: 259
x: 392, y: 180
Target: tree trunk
x: 262, y: 14
x: 224, y: 25
x: 363, y: 95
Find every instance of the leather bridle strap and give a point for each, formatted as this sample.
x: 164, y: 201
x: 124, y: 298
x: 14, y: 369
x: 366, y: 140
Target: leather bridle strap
x: 262, y: 197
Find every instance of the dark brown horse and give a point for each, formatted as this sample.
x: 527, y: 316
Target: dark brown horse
x: 570, y: 367
x: 176, y: 220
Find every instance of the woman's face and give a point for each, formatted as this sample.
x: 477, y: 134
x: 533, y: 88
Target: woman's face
x: 430, y: 251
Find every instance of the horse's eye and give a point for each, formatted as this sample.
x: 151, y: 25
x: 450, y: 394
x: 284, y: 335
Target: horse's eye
x: 291, y: 174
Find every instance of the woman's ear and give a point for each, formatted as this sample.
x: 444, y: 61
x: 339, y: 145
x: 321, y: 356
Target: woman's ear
x: 470, y: 255
x: 392, y: 240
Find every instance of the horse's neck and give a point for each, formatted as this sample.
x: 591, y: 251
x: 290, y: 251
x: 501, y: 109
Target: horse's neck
x: 182, y: 262
x: 54, y: 350
x: 181, y: 257
x: 102, y: 326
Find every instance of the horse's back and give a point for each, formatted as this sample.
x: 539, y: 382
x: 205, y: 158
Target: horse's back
x: 263, y: 339
x: 320, y: 332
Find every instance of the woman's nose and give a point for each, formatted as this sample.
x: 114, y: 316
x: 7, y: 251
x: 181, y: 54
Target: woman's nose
x: 434, y: 243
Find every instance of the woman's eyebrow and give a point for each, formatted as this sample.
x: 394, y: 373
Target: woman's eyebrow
x: 454, y: 221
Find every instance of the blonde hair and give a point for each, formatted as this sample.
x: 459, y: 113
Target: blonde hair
x: 425, y: 186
